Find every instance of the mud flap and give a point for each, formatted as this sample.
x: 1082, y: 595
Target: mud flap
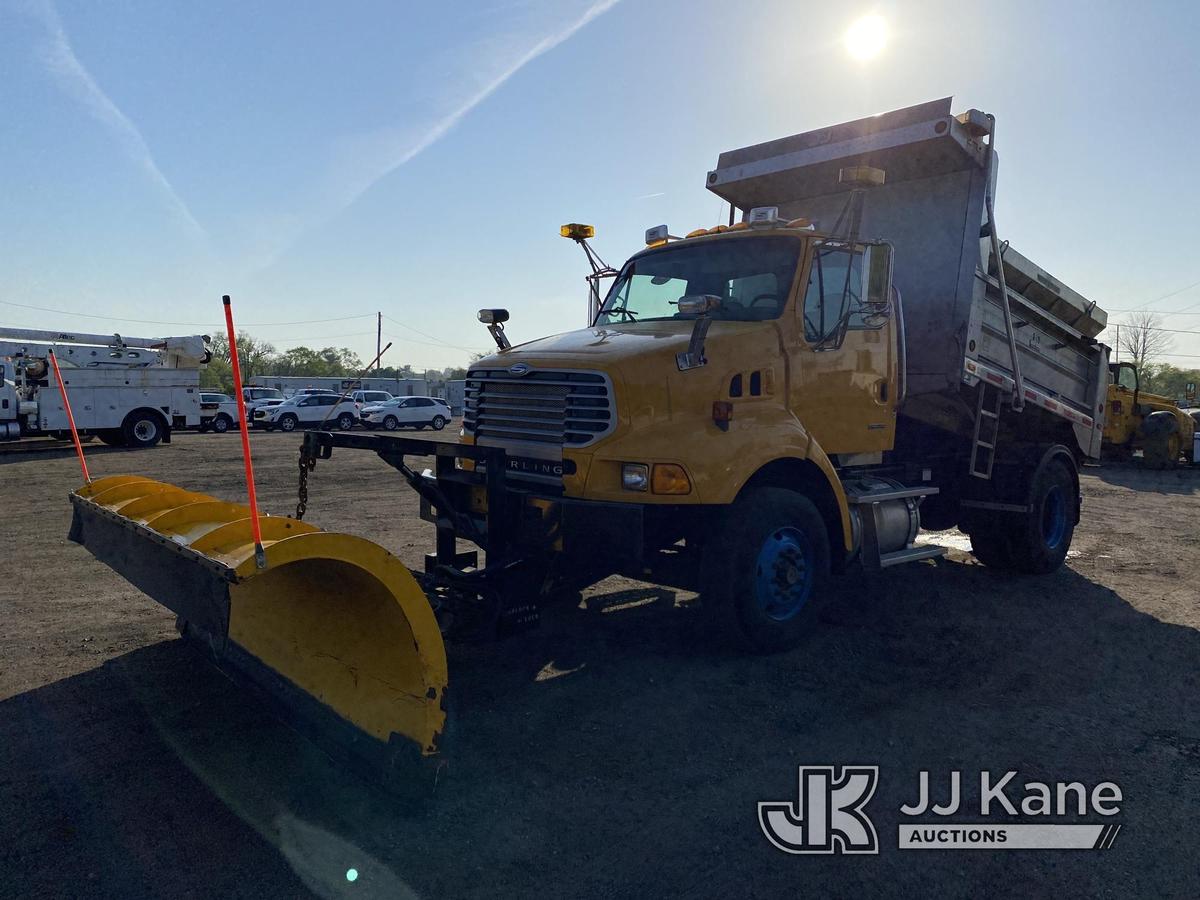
x: 335, y: 633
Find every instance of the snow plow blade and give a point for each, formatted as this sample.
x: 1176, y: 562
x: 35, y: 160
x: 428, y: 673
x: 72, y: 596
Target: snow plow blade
x: 334, y: 632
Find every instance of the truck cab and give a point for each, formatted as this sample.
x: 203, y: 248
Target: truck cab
x: 800, y: 361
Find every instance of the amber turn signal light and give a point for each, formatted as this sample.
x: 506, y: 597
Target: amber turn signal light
x: 670, y: 479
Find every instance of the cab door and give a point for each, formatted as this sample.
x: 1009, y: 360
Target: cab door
x: 844, y: 373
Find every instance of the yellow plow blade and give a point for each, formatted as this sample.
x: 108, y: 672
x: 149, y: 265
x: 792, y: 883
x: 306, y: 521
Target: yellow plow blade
x: 335, y: 630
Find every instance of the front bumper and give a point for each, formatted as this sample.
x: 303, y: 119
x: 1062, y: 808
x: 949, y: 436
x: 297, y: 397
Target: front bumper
x: 511, y: 520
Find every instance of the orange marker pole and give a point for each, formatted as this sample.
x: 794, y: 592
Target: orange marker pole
x: 260, y: 556
x: 62, y: 389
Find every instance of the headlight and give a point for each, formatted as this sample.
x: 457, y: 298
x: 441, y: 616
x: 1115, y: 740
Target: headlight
x: 635, y: 477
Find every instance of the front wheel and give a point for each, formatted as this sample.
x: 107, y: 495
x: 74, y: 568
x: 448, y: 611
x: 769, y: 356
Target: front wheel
x: 438, y: 423
x: 288, y: 422
x: 766, y: 569
x: 221, y: 423
x: 391, y: 423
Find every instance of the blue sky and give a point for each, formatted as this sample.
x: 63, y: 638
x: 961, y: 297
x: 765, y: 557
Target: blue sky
x: 322, y: 161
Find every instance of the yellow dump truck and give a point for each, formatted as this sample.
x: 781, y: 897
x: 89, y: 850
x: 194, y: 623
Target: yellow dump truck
x: 1138, y: 420
x: 750, y: 410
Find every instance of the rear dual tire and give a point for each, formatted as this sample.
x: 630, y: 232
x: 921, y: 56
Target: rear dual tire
x: 1035, y: 542
x: 142, y: 429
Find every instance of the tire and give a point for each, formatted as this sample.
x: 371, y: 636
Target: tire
x: 113, y: 437
x: 391, y: 423
x: 345, y: 421
x: 766, y: 570
x: 143, y: 428
x: 1162, y: 451
x: 287, y: 422
x: 221, y: 423
x: 989, y: 544
x: 1039, y: 540
x: 438, y: 423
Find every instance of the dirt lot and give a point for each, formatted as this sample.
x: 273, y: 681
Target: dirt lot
x: 610, y: 753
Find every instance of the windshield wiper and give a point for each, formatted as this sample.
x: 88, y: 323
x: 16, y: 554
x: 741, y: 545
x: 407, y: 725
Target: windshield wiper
x: 627, y: 314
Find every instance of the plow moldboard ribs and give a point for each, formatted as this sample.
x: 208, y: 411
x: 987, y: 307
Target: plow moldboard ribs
x: 335, y: 631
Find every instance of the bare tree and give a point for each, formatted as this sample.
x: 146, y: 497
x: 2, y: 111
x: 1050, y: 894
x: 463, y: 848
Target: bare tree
x: 1141, y: 339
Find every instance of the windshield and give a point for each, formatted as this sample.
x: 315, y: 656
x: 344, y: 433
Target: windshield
x: 1127, y: 377
x: 752, y: 276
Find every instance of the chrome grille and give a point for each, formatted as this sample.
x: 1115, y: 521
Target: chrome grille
x: 545, y: 406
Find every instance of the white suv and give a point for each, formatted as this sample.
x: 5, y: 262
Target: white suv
x: 415, y: 412
x: 218, y: 412
x: 308, y: 410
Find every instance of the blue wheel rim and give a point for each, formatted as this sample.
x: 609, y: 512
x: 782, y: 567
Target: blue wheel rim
x: 784, y: 573
x: 1054, y: 518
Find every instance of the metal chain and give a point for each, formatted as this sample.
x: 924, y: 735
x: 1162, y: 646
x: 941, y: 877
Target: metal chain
x: 307, y: 464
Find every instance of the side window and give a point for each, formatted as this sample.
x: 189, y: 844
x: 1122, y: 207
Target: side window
x: 834, y: 289
x: 328, y: 400
x: 423, y: 401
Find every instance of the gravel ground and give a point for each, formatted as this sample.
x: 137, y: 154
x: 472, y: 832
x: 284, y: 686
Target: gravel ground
x: 611, y: 752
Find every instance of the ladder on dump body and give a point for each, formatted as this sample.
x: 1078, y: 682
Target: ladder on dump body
x: 987, y: 431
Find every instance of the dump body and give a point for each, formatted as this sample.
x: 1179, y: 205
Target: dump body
x: 932, y: 210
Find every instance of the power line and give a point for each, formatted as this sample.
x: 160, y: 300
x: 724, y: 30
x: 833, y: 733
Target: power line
x: 440, y: 344
x: 1163, y: 297
x: 430, y: 336
x: 214, y: 322
x: 1135, y: 327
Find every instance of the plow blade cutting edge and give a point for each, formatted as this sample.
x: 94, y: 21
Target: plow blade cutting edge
x: 335, y: 632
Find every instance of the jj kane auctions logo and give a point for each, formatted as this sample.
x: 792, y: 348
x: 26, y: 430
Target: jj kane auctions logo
x: 829, y: 814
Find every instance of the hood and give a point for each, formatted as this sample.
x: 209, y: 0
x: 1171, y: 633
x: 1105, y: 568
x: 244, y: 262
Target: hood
x: 616, y: 342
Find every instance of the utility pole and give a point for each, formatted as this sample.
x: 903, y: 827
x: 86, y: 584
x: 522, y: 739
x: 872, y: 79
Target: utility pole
x: 378, y: 339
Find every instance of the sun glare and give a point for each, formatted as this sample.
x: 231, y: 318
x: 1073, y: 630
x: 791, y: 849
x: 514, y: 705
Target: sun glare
x: 866, y: 37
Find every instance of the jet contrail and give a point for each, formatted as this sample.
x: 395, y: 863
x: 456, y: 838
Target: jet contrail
x: 392, y: 154
x: 441, y: 128
x: 76, y: 81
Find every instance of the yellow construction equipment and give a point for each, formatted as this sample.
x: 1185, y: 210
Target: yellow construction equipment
x: 1138, y: 420
x: 334, y: 630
